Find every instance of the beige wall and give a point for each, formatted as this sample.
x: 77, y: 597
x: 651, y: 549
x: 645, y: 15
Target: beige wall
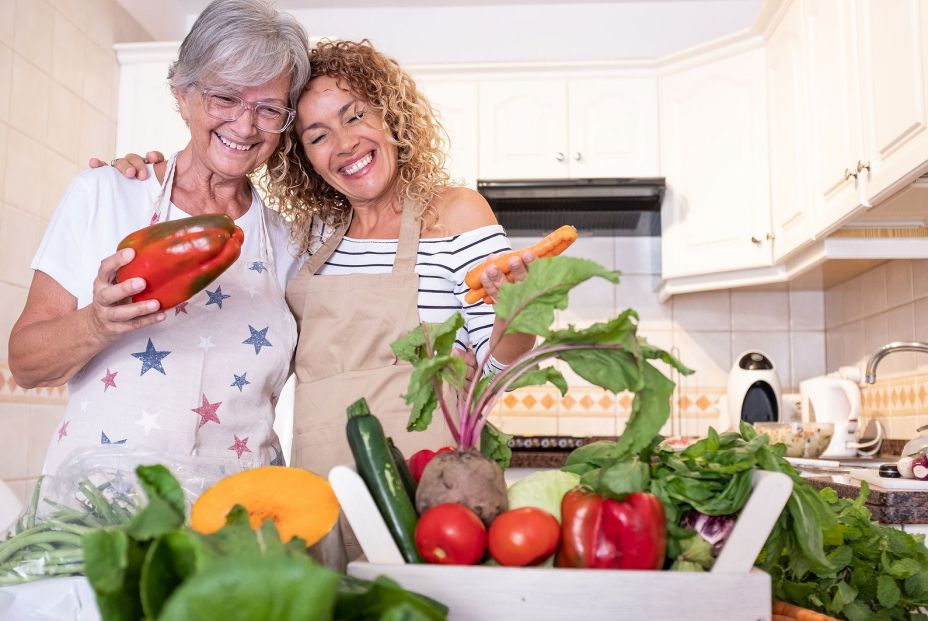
x: 887, y: 303
x: 58, y: 81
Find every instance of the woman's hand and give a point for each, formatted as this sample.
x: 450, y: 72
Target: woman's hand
x: 493, y: 278
x: 132, y: 165
x: 112, y: 313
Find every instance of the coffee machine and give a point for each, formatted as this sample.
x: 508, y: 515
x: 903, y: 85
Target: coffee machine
x: 753, y: 390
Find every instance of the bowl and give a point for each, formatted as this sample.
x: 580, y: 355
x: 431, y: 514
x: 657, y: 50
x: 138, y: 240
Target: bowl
x: 801, y: 439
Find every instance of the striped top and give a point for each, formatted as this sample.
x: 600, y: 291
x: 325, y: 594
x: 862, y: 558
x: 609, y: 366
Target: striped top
x: 441, y: 264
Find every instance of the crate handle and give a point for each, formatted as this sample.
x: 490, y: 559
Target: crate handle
x: 363, y: 515
x: 770, y: 491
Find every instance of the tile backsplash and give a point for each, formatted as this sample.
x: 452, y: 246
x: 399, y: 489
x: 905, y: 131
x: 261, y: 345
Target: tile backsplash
x: 707, y: 331
x: 58, y: 80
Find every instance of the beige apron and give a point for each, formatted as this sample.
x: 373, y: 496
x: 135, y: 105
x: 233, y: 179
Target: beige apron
x: 343, y: 353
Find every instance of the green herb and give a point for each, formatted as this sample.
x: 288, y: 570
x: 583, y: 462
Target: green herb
x: 608, y: 354
x: 154, y: 567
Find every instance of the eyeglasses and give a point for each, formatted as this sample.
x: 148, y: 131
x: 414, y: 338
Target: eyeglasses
x: 228, y: 107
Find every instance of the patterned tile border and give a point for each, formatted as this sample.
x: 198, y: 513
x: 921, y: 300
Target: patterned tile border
x: 11, y: 392
x: 591, y: 401
x: 901, y: 396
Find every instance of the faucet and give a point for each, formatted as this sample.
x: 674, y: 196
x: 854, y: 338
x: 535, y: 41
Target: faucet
x: 888, y: 349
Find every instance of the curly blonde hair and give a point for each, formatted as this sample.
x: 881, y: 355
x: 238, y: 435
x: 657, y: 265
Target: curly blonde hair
x: 298, y: 192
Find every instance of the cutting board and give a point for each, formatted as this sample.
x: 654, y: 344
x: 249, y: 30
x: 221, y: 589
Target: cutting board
x: 873, y: 478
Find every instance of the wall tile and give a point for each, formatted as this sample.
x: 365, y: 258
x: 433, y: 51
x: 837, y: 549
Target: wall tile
x: 33, y: 37
x: 900, y: 326
x: 849, y: 300
x: 6, y: 77
x: 7, y: 23
x: 14, y: 299
x: 599, y: 249
x: 98, y: 134
x: 920, y: 278
x: 68, y: 54
x: 590, y: 302
x: 20, y: 233
x: 14, y: 420
x: 100, y: 21
x: 899, y: 289
x: 856, y: 352
x: 64, y: 134
x: 61, y: 171
x: 760, y: 310
x: 101, y: 77
x: 586, y: 426
x: 708, y: 354
x: 807, y: 355
x: 921, y: 333
x: 776, y: 345
x: 23, y: 172
x: 806, y: 310
x: 876, y: 334
x: 29, y: 99
x: 4, y: 136
x: 834, y: 349
x: 834, y: 312
x: 529, y: 425
x: 640, y: 292
x: 873, y: 290
x: 710, y: 310
x: 638, y: 255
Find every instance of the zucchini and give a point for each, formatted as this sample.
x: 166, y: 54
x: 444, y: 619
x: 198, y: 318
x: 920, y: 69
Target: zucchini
x: 377, y: 467
x: 405, y: 475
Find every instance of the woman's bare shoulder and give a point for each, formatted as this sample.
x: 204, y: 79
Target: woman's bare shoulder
x: 461, y: 209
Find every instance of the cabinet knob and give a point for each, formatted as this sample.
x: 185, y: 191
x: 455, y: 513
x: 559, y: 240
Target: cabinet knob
x: 848, y: 173
x: 578, y: 156
x: 771, y: 237
x: 755, y: 240
x: 559, y: 156
x: 862, y: 166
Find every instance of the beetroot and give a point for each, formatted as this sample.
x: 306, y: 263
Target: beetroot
x: 465, y: 477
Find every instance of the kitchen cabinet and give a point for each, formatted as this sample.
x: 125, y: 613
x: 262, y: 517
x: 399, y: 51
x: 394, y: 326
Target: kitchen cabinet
x: 716, y: 216
x: 547, y: 127
x: 793, y: 212
x: 867, y: 93
x: 455, y: 104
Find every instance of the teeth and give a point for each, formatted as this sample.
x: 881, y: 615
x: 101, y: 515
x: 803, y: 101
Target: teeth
x: 361, y: 163
x: 234, y: 145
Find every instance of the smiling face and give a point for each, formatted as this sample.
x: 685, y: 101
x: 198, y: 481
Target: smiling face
x: 231, y: 149
x: 346, y: 143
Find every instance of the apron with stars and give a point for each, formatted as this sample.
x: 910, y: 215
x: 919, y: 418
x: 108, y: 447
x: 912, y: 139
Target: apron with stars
x: 204, y: 381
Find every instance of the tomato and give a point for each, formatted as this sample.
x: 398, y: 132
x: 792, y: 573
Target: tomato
x: 450, y: 534
x: 524, y: 536
x: 420, y: 459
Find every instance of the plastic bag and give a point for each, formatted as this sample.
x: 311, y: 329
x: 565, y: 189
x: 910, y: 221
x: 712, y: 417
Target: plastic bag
x: 95, y: 488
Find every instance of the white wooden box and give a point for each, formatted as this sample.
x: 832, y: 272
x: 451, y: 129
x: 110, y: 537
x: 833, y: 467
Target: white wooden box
x: 733, y: 590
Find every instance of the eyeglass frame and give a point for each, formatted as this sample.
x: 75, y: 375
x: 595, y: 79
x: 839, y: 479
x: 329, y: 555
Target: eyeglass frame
x: 245, y: 105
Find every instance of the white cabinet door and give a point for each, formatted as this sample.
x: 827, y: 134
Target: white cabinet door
x: 613, y: 127
x: 894, y: 51
x: 523, y: 129
x: 147, y: 118
x: 714, y: 154
x: 834, y: 103
x: 456, y: 105
x: 792, y: 208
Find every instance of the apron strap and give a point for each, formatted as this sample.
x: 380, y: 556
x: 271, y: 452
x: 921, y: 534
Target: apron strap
x: 407, y: 246
x: 318, y: 258
x: 162, y: 202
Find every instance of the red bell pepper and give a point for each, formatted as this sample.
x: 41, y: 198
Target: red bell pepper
x: 420, y: 459
x: 178, y: 258
x: 603, y: 533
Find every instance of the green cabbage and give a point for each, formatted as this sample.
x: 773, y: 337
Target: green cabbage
x: 543, y: 489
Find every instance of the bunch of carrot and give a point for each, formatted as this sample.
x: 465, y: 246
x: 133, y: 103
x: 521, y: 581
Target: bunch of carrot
x: 790, y: 612
x: 552, y: 245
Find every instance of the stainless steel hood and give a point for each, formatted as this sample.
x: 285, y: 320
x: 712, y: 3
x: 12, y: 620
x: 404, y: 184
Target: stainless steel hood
x: 621, y: 207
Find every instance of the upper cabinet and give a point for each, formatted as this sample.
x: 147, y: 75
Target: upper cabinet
x: 545, y: 127
x: 455, y: 103
x: 716, y: 216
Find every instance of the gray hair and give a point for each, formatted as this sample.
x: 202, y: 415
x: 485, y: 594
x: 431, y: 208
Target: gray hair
x: 243, y: 43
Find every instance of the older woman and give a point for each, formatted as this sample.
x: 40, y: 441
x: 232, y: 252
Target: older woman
x: 201, y: 378
x: 387, y: 242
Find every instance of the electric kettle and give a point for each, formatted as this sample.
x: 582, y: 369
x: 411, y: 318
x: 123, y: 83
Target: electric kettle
x: 753, y: 390
x: 835, y: 400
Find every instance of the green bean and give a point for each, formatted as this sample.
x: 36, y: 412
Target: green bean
x: 8, y: 548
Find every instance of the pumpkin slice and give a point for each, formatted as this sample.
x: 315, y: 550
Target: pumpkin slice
x: 301, y: 503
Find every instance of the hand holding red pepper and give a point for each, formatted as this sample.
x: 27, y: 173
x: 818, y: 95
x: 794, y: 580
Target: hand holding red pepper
x: 603, y: 533
x: 178, y: 258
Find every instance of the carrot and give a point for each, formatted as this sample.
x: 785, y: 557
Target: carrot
x: 781, y: 618
x: 551, y: 245
x: 799, y: 614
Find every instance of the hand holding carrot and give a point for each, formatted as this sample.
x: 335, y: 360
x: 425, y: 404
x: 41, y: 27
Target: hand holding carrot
x: 486, y: 279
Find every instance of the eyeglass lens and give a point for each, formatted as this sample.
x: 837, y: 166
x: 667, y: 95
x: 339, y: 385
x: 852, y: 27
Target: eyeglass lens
x: 227, y: 107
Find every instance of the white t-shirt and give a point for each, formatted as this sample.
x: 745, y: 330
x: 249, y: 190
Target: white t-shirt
x: 101, y: 207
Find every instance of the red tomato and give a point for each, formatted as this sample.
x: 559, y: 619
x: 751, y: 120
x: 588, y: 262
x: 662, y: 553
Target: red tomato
x: 450, y: 534
x: 420, y: 459
x: 524, y: 536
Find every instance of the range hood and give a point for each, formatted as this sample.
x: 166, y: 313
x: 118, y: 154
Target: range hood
x: 620, y: 207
